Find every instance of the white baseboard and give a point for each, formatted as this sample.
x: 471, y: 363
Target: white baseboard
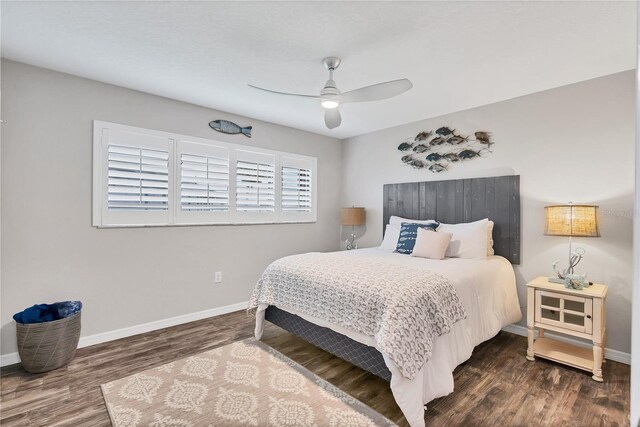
x: 9, y: 359
x: 13, y: 358
x: 615, y: 355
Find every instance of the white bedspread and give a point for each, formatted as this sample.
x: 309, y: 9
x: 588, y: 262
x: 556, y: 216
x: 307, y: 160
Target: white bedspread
x: 404, y: 308
x: 487, y: 290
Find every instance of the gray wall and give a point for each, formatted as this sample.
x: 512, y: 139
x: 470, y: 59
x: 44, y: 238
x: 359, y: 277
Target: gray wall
x: 125, y: 277
x: 574, y: 143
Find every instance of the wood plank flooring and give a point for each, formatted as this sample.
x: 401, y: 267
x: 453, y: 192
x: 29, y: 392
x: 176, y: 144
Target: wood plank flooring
x: 496, y: 387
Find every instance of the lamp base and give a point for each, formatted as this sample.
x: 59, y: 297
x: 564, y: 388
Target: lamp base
x: 351, y: 243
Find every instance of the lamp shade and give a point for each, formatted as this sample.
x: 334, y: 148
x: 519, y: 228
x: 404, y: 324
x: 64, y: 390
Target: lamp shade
x: 352, y: 216
x: 571, y: 220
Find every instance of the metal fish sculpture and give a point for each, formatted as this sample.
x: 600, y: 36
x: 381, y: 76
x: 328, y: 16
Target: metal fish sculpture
x: 420, y: 148
x: 483, y: 137
x: 422, y: 136
x: 427, y: 150
x: 469, y: 154
x: 417, y: 164
x: 231, y: 128
x: 434, y: 157
x: 437, y: 167
x: 455, y: 140
x: 407, y: 158
x: 437, y: 141
x: 452, y: 157
x: 444, y: 131
x: 404, y: 146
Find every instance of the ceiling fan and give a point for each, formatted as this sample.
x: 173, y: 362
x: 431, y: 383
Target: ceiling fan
x: 331, y: 98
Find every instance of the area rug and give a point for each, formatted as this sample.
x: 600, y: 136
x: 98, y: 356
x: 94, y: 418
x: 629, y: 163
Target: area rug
x: 244, y: 383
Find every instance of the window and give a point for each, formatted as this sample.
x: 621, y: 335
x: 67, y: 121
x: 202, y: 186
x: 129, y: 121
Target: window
x: 255, y: 182
x: 255, y: 187
x: 297, y: 188
x: 144, y: 177
x: 204, y: 187
x: 138, y: 179
x: 204, y: 183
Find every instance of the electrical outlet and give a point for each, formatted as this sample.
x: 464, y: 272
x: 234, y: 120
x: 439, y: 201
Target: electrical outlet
x: 218, y: 277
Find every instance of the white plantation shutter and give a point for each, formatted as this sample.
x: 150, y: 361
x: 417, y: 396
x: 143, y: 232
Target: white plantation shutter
x: 204, y: 183
x: 296, y: 189
x: 256, y: 184
x: 138, y: 178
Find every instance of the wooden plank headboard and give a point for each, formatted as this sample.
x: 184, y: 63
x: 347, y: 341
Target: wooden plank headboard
x: 463, y: 200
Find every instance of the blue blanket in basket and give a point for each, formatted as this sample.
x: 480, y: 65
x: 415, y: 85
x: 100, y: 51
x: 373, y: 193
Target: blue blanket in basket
x: 40, y: 313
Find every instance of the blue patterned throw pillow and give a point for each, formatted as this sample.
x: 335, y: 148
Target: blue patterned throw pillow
x: 408, y: 234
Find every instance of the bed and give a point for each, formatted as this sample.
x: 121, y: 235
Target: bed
x: 485, y: 288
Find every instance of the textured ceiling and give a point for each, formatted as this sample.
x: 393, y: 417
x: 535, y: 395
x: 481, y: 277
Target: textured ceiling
x: 458, y: 54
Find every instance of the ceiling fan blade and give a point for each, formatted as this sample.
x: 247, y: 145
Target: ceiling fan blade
x: 377, y: 92
x: 284, y: 93
x: 332, y: 118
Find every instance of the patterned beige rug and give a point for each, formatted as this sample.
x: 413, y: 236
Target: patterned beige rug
x: 245, y: 383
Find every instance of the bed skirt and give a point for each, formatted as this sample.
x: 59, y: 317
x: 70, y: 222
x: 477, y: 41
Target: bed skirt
x: 358, y: 354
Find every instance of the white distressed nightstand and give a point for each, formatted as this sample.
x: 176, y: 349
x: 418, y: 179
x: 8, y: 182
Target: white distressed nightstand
x: 579, y: 313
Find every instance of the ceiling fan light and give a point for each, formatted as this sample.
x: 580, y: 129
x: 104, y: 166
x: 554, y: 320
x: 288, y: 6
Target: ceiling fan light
x: 329, y: 103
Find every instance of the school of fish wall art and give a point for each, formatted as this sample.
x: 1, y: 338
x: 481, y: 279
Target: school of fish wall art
x: 439, y: 149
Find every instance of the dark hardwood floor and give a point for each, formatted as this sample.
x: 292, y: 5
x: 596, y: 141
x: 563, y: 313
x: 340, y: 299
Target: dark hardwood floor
x: 496, y: 387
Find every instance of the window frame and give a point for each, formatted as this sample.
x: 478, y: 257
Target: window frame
x: 153, y: 141
x: 102, y: 217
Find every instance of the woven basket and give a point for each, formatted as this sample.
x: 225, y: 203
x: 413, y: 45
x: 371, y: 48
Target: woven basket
x: 49, y: 345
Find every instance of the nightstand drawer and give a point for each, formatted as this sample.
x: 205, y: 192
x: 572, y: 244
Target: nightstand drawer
x: 564, y: 311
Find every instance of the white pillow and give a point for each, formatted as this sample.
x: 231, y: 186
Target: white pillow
x: 391, y: 236
x: 469, y: 239
x: 431, y: 244
x: 397, y: 221
x: 490, y: 250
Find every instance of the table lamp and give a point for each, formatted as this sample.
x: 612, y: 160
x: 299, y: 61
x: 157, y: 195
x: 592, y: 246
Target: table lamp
x: 572, y: 221
x: 354, y: 217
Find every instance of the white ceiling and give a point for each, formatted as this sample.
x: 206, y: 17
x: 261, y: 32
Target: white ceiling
x: 458, y: 54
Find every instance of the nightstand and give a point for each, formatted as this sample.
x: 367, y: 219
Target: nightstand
x: 578, y: 313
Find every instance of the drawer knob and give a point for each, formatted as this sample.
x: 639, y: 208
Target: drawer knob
x: 588, y: 316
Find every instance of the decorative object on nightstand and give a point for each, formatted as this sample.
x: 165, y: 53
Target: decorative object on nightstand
x: 572, y: 221
x: 578, y: 313
x: 354, y: 217
x: 575, y: 281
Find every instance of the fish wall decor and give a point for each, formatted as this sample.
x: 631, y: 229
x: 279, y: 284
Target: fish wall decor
x: 436, y: 150
x: 225, y: 126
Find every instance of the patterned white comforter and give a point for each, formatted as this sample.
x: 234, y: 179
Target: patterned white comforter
x: 404, y: 308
